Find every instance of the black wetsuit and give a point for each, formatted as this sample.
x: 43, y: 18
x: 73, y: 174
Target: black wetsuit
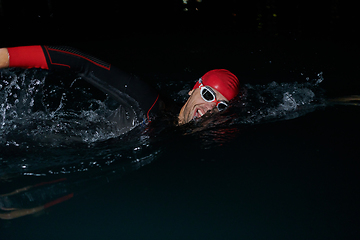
x: 137, y: 100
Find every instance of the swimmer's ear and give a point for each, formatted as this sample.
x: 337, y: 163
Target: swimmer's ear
x: 190, y: 92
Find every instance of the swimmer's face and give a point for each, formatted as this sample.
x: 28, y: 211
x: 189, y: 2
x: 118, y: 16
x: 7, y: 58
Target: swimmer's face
x: 196, y: 106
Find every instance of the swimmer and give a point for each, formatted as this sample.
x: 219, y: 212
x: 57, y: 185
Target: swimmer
x: 138, y: 102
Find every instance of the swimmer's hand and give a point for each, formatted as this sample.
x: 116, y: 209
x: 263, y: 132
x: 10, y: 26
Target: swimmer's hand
x: 353, y: 100
x: 4, y: 58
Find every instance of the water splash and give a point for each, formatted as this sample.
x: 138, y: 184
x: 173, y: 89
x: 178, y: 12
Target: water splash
x: 50, y: 125
x: 279, y: 101
x: 29, y: 107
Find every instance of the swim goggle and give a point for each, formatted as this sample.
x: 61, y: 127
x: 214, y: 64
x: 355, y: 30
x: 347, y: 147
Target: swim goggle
x: 209, y: 96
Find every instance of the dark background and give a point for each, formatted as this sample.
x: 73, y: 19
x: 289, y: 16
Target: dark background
x: 56, y: 21
x: 295, y: 179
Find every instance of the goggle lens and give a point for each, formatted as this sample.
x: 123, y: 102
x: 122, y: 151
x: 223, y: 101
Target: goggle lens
x: 209, y: 96
x: 222, y: 106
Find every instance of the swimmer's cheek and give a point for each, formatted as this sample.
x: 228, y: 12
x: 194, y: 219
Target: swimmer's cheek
x: 4, y: 58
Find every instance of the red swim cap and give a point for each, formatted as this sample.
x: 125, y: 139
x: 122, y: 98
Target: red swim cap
x: 223, y: 81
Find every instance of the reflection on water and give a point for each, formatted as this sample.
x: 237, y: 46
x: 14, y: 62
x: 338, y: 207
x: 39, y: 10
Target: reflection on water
x: 23, y: 195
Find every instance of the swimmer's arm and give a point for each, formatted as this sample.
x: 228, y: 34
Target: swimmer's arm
x: 111, y: 80
x: 4, y: 58
x: 20, y: 213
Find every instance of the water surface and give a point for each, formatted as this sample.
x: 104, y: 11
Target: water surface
x: 280, y: 163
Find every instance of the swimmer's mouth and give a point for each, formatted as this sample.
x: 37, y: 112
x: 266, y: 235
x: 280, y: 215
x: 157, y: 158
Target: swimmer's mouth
x: 198, y: 113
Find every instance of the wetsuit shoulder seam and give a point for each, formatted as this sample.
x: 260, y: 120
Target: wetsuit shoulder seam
x: 77, y: 53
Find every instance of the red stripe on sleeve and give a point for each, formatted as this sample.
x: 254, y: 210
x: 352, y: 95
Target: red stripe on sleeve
x: 107, y: 67
x: 148, y: 113
x: 27, y: 57
x: 59, y: 200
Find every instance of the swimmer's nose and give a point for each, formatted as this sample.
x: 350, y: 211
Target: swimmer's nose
x: 210, y: 106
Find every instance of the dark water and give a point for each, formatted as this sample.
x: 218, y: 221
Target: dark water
x: 280, y: 163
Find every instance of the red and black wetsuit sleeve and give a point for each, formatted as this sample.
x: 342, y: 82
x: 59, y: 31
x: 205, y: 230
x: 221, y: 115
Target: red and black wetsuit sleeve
x: 125, y: 88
